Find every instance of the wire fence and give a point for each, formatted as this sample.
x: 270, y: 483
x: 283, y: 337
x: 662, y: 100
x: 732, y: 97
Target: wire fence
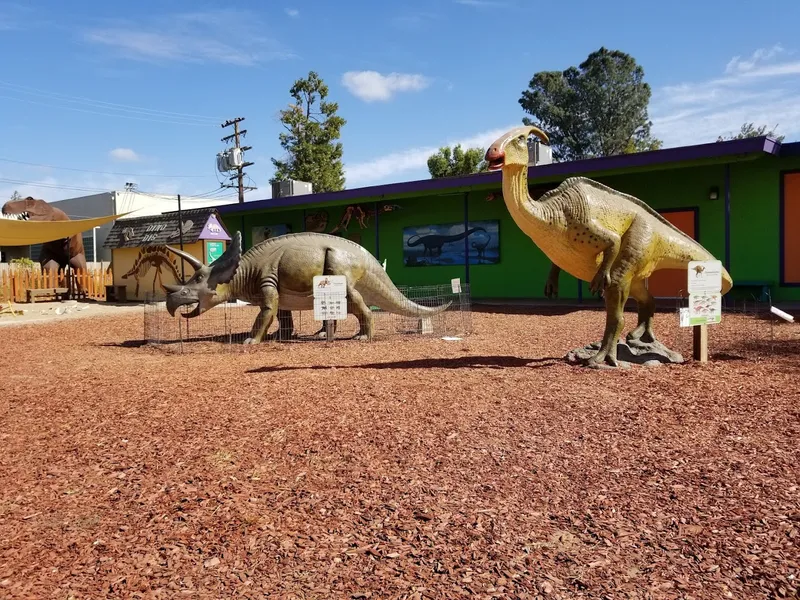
x: 749, y: 329
x: 226, y: 326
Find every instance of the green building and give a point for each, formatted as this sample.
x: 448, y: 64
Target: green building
x: 740, y: 199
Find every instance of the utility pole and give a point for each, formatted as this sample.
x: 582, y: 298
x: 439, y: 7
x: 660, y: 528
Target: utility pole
x: 239, y: 176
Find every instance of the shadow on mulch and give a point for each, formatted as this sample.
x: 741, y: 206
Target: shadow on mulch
x: 555, y: 309
x: 462, y: 362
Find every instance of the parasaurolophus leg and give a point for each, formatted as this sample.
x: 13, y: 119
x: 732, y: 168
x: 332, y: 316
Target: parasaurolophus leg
x: 612, y: 244
x: 647, y: 308
x: 627, y: 251
x: 616, y: 295
x: 551, y: 285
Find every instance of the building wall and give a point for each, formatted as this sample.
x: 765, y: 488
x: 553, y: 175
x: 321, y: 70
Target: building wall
x: 116, y: 202
x: 756, y: 222
x: 82, y: 207
x: 523, y: 268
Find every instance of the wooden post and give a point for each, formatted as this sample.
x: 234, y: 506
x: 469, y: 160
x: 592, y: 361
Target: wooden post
x: 700, y: 343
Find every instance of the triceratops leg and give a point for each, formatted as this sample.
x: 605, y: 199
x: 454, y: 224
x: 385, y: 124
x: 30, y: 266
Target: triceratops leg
x: 264, y: 319
x: 647, y: 309
x: 285, y: 329
x: 359, y: 308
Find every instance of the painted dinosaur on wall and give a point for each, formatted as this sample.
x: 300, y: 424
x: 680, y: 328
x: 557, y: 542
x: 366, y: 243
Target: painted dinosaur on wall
x: 434, y: 242
x: 150, y: 257
x: 362, y: 216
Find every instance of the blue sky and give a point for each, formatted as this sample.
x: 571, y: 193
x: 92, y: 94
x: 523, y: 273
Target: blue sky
x: 95, y: 94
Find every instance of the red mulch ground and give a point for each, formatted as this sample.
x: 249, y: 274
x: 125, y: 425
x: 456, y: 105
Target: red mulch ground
x: 485, y: 468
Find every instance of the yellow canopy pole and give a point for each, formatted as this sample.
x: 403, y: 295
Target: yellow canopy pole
x: 26, y: 233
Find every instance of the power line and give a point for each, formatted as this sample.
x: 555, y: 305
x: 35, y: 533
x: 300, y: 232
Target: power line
x: 102, y: 104
x: 20, y: 162
x: 94, y: 112
x: 193, y: 198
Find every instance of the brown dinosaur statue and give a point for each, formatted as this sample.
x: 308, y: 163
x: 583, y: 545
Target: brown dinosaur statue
x: 58, y: 254
x: 597, y: 234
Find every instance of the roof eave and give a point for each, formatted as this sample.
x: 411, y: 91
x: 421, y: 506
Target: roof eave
x: 681, y: 154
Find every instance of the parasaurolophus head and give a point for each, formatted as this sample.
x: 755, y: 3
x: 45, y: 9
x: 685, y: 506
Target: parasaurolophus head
x: 511, y: 148
x: 202, y: 288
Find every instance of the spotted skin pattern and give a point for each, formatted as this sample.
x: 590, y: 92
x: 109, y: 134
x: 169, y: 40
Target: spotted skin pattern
x: 596, y: 234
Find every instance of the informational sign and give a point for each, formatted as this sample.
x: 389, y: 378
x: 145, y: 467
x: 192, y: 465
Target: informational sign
x: 213, y: 251
x: 705, y: 309
x: 704, y: 283
x: 455, y: 284
x: 705, y: 276
x: 684, y: 317
x: 330, y: 297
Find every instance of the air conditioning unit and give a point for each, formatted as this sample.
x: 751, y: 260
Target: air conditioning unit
x: 291, y: 187
x: 539, y: 153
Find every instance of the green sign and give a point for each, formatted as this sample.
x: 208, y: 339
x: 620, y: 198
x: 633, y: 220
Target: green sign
x: 213, y: 251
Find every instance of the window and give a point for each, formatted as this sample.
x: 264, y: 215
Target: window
x: 790, y: 221
x: 671, y: 283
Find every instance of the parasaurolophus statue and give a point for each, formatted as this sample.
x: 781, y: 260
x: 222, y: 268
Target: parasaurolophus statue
x: 278, y: 274
x: 597, y: 234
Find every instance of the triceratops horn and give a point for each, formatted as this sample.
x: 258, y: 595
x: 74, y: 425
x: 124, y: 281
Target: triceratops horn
x: 223, y: 269
x: 187, y: 257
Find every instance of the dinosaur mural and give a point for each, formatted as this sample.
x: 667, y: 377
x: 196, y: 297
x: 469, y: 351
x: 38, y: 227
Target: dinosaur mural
x: 362, y: 216
x: 57, y: 254
x: 157, y: 257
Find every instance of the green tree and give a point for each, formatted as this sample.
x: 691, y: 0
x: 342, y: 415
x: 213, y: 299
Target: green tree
x: 313, y: 152
x: 449, y: 162
x: 598, y: 108
x: 749, y: 130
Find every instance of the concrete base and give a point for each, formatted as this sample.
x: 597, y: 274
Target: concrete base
x: 628, y: 354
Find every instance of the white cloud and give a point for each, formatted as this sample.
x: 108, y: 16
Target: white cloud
x: 124, y: 155
x: 292, y: 12
x: 391, y: 167
x: 230, y: 37
x: 759, y: 89
x: 737, y: 65
x: 371, y: 85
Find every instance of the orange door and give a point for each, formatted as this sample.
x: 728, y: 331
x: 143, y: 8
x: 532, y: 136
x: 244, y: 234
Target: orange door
x: 671, y: 283
x: 791, y: 219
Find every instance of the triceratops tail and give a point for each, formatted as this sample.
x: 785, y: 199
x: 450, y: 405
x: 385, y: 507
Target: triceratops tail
x: 380, y: 290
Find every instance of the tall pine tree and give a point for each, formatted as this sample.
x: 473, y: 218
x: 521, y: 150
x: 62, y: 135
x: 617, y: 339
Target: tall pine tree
x: 313, y: 152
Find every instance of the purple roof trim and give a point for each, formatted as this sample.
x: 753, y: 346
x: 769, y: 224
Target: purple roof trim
x: 607, y: 163
x: 213, y: 230
x: 790, y: 149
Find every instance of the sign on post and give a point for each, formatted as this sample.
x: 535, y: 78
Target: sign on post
x: 705, y: 292
x: 330, y: 297
x: 704, y: 284
x: 213, y: 251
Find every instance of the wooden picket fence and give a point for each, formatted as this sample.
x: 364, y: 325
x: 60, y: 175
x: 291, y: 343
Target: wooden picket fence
x: 14, y: 283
